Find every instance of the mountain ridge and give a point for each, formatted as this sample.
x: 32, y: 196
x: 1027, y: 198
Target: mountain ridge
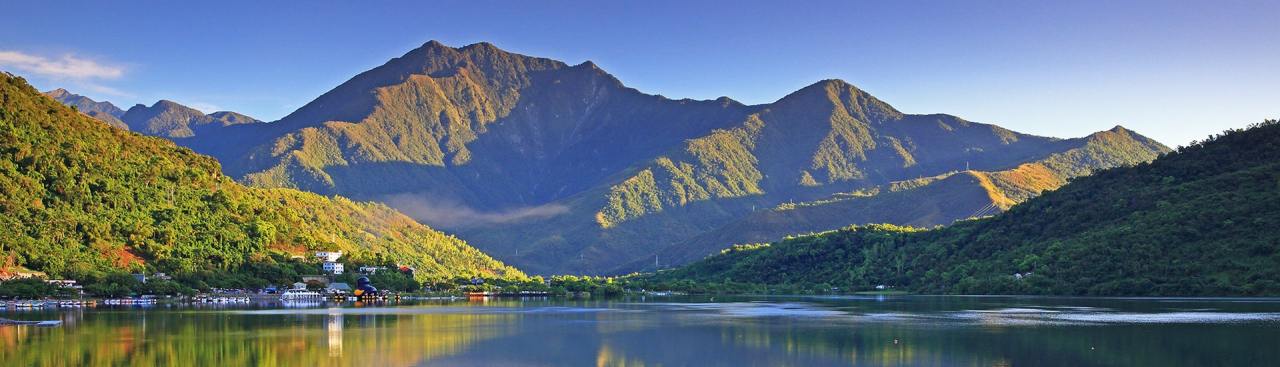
x: 171, y: 119
x: 103, y: 111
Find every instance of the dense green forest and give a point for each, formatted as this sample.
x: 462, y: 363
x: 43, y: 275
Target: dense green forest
x: 82, y: 200
x: 1198, y: 221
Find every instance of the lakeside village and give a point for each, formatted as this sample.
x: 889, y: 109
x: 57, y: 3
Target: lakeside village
x: 333, y: 283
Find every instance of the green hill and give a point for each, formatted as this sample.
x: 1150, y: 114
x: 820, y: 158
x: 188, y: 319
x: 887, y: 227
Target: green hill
x: 1194, y: 222
x: 79, y: 198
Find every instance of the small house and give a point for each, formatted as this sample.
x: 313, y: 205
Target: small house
x: 371, y: 269
x: 329, y: 256
x: 333, y: 268
x: 317, y: 279
x: 338, y: 288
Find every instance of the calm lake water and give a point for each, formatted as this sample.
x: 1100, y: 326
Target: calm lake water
x: 761, y: 331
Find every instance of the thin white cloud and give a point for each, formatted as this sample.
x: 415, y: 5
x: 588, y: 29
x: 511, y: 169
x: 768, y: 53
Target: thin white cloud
x: 205, y: 107
x: 65, y: 67
x: 102, y: 89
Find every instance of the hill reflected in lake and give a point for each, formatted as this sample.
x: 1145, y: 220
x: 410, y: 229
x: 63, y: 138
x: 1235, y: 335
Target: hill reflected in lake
x: 742, y: 331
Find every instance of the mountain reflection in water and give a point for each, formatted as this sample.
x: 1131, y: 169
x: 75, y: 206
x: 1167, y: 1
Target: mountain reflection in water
x: 741, y: 331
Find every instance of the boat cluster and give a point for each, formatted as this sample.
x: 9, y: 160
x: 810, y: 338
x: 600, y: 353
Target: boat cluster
x: 45, y: 323
x: 129, y: 301
x: 220, y: 299
x: 32, y: 304
x: 300, y: 294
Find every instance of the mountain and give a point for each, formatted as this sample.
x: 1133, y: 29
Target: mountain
x: 169, y: 119
x: 561, y: 168
x: 103, y: 111
x: 79, y: 198
x: 165, y: 118
x: 1194, y: 222
x: 925, y: 202
x: 228, y: 118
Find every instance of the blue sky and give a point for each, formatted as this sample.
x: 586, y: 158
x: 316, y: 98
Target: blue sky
x: 1172, y: 70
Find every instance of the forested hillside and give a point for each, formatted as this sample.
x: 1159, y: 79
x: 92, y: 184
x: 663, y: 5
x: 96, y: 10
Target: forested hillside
x: 1195, y: 222
x: 79, y: 199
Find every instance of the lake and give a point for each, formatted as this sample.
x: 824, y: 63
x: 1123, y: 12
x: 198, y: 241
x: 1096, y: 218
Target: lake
x: 665, y: 331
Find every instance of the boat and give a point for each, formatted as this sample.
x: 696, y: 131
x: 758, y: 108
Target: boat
x: 29, y: 304
x: 130, y: 301
x: 221, y: 299
x: 46, y: 323
x: 294, y: 294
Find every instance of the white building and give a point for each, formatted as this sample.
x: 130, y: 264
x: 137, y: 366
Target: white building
x: 371, y: 269
x: 329, y: 256
x: 333, y: 267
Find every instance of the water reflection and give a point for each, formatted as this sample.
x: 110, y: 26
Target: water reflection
x: 797, y: 331
x: 335, y: 334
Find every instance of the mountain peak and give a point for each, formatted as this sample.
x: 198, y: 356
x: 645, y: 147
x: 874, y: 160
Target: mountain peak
x: 843, y: 95
x: 1121, y: 135
x: 480, y: 45
x: 434, y: 45
x: 233, y: 118
x: 104, y: 111
x: 59, y: 93
x: 492, y: 67
x: 169, y: 105
x: 826, y: 87
x: 834, y: 82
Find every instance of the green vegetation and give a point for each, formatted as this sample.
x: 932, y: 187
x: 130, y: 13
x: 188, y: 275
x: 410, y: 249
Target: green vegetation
x: 84, y: 201
x: 1193, y: 222
x: 557, y: 285
x: 30, y: 288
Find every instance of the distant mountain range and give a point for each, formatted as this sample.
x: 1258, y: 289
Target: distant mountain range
x: 103, y: 111
x: 164, y: 118
x: 561, y: 168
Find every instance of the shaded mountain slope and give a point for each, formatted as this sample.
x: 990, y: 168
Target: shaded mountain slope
x: 825, y: 139
x: 547, y: 129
